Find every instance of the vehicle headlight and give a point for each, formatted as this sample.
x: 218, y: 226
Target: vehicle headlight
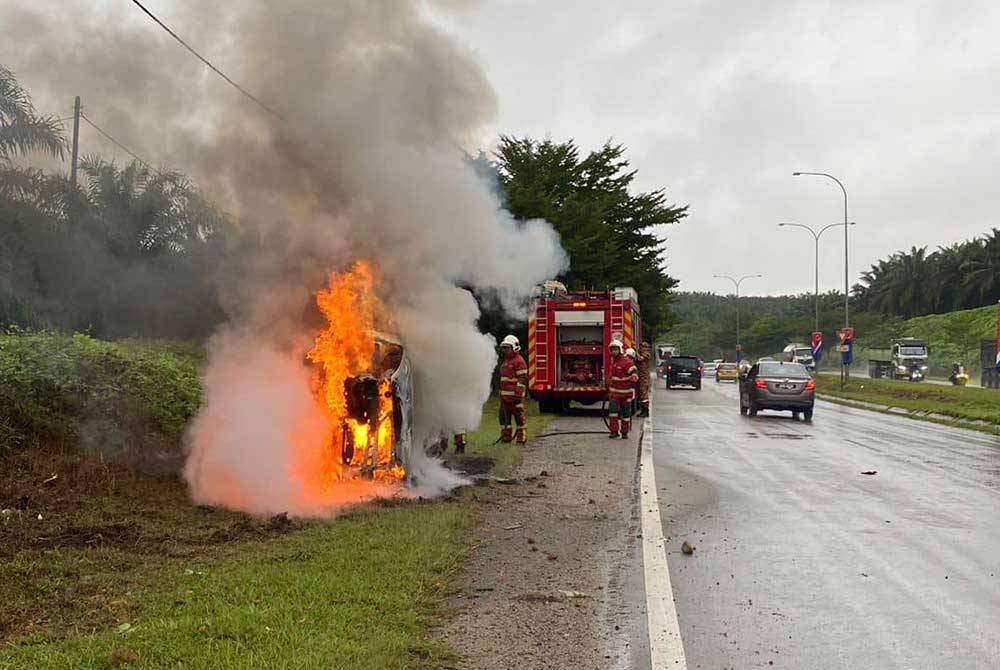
x: 901, y: 368
x: 923, y: 368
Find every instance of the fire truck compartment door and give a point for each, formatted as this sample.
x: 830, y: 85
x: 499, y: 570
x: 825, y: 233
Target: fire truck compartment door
x: 580, y: 318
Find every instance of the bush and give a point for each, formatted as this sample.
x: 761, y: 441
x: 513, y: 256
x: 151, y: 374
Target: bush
x: 124, y: 399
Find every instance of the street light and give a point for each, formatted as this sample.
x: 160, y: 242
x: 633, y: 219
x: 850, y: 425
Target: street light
x: 816, y: 235
x: 847, y: 287
x: 736, y: 283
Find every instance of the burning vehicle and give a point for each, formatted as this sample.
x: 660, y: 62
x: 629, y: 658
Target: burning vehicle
x: 376, y: 431
x: 362, y: 379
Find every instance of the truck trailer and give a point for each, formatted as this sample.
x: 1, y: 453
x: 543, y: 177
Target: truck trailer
x: 568, y: 337
x: 906, y: 358
x: 988, y: 362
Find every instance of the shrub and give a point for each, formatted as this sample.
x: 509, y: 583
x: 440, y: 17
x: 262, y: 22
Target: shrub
x: 125, y: 398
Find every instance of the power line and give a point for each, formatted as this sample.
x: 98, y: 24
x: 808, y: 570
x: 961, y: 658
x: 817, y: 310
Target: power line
x: 205, y: 61
x: 113, y: 140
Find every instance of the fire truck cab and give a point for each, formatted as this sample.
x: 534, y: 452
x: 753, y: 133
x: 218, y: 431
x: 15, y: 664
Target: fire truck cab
x: 568, y: 337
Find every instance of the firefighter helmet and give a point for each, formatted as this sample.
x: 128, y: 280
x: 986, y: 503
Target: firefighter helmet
x: 616, y: 343
x: 630, y: 352
x: 512, y: 342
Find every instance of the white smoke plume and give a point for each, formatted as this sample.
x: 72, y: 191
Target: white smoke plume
x: 377, y: 105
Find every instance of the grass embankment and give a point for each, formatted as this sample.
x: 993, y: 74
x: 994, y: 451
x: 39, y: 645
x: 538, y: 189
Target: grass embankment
x: 924, y: 401
x: 121, y: 569
x: 954, y: 337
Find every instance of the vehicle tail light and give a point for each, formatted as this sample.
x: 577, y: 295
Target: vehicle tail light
x: 811, y: 385
x: 669, y: 368
x: 760, y: 383
x: 539, y: 387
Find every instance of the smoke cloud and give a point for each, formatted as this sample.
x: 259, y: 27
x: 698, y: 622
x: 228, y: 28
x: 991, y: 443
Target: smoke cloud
x: 378, y: 107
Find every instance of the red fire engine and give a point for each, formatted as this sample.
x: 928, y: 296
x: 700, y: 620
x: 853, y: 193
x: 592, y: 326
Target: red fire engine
x: 568, y: 337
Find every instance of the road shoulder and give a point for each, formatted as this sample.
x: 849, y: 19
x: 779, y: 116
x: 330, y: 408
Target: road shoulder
x: 553, y: 577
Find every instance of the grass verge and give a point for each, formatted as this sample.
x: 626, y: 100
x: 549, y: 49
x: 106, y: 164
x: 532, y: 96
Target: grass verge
x: 976, y: 408
x: 483, y: 443
x: 104, y: 566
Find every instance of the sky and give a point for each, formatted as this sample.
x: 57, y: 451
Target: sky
x: 719, y: 102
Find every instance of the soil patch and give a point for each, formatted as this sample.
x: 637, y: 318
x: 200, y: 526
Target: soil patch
x: 79, y: 535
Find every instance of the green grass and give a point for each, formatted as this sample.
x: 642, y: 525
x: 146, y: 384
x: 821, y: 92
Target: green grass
x: 962, y: 403
x: 483, y: 440
x: 124, y: 570
x: 357, y: 592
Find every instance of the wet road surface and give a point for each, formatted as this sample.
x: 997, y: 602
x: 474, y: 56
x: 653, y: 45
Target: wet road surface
x: 801, y: 561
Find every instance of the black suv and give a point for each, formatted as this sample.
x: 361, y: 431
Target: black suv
x: 684, y: 371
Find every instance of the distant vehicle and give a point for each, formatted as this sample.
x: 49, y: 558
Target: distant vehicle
x: 777, y: 385
x: 664, y: 351
x: 958, y: 376
x: 728, y: 372
x: 906, y: 359
x: 711, y: 366
x: 799, y: 353
x: 766, y: 358
x: 684, y: 371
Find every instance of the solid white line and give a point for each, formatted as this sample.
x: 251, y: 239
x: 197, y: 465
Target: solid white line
x: 666, y: 649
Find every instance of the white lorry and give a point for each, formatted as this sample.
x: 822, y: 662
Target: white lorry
x: 799, y: 353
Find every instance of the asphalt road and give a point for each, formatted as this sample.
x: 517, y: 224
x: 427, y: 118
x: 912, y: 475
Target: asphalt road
x: 801, y: 561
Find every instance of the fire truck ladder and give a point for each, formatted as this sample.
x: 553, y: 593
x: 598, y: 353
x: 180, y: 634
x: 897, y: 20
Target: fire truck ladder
x: 541, y: 342
x: 618, y: 319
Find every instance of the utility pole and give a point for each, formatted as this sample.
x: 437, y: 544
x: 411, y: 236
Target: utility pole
x: 76, y: 141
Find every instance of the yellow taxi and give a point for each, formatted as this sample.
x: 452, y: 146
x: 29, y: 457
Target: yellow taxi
x: 727, y: 372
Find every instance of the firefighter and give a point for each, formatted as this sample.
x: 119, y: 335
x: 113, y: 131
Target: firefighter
x: 621, y: 390
x: 513, y: 384
x: 642, y: 365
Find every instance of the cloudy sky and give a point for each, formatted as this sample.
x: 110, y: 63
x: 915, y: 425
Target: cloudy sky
x: 720, y: 101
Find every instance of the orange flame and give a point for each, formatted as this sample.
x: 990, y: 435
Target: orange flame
x: 345, y: 349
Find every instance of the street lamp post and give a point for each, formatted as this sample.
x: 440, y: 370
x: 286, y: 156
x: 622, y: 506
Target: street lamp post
x: 816, y: 236
x: 847, y: 287
x: 736, y: 283
x: 845, y: 371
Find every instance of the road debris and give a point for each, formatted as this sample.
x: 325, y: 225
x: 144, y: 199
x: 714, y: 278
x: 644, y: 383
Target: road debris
x: 687, y: 549
x: 573, y: 594
x: 514, y: 527
x: 870, y: 472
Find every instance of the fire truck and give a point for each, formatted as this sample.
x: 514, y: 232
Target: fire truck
x: 568, y: 337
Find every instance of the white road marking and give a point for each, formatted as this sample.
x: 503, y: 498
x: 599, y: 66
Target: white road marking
x: 666, y: 649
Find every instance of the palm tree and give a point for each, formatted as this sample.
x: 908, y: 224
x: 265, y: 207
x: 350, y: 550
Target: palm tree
x: 145, y: 212
x: 22, y: 130
x: 982, y: 270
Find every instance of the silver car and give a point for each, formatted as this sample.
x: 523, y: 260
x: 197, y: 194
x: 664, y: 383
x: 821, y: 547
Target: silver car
x: 778, y: 385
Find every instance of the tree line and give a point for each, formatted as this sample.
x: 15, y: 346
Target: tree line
x: 137, y: 251
x: 130, y: 251
x: 914, y: 283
